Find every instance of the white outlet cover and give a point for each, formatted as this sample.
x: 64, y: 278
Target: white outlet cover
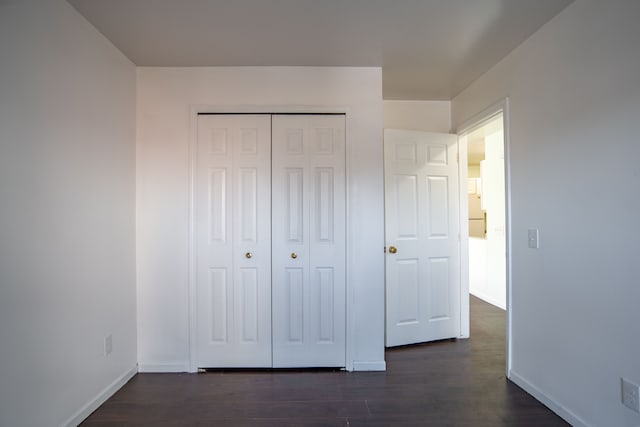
x: 108, y: 345
x: 533, y: 238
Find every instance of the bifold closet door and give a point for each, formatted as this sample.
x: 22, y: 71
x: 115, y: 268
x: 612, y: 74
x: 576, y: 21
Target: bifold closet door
x: 308, y: 240
x: 233, y: 241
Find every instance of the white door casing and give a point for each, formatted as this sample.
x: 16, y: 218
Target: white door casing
x: 233, y: 241
x: 309, y: 235
x: 422, y: 229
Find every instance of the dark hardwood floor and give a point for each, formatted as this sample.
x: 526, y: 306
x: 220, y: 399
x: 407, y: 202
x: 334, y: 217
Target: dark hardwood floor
x: 446, y: 383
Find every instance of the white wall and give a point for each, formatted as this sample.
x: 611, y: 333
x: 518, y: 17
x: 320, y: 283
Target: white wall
x: 478, y: 266
x: 473, y: 171
x: 67, y: 135
x: 574, y: 93
x: 495, y: 289
x: 164, y: 98
x: 430, y: 116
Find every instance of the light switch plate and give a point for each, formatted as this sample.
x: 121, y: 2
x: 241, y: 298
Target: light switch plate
x: 533, y: 238
x: 630, y: 395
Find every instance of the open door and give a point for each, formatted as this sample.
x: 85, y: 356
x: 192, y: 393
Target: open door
x: 422, y: 235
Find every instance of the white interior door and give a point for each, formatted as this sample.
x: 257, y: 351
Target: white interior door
x: 233, y: 238
x: 422, y: 229
x: 308, y: 240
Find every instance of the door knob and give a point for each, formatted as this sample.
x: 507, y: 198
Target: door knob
x: 393, y: 249
x: 248, y: 255
x: 294, y: 255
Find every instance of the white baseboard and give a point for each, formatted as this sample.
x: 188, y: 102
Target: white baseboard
x: 376, y: 365
x: 556, y: 407
x: 98, y: 400
x: 487, y: 298
x: 162, y: 367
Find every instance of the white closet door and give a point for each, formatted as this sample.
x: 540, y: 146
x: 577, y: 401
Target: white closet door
x: 233, y: 238
x: 308, y: 190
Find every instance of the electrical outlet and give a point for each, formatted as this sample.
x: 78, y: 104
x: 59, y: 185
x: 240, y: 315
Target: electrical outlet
x: 108, y: 345
x: 630, y: 395
x: 533, y: 238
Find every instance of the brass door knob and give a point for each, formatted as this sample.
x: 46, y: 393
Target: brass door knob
x: 248, y: 255
x: 294, y: 255
x: 393, y: 249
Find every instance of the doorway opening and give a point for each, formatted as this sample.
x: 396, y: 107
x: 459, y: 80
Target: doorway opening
x: 485, y: 202
x: 486, y: 208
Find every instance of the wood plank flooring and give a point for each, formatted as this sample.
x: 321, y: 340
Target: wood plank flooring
x: 446, y: 383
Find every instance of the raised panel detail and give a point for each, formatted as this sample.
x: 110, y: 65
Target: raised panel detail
x: 218, y: 301
x: 406, y: 152
x: 218, y: 205
x: 248, y: 141
x: 232, y: 241
x: 294, y: 141
x: 325, y: 287
x: 423, y: 273
x: 295, y: 304
x: 437, y: 155
x: 308, y: 232
x: 324, y: 204
x: 409, y: 291
x: 438, y: 289
x: 438, y: 200
x: 248, y: 209
x: 249, y: 302
x: 407, y: 198
x: 218, y: 141
x: 324, y: 141
x: 294, y: 192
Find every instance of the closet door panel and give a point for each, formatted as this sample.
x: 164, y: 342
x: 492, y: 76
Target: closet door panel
x: 308, y: 194
x: 233, y: 241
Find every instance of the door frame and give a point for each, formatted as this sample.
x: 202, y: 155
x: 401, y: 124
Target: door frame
x: 476, y: 121
x: 196, y: 109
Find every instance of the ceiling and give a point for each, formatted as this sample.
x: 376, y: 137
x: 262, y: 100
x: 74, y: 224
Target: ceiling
x: 428, y: 49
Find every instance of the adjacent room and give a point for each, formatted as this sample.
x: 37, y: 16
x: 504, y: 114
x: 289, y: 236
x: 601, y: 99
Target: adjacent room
x: 487, y: 212
x: 319, y: 213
